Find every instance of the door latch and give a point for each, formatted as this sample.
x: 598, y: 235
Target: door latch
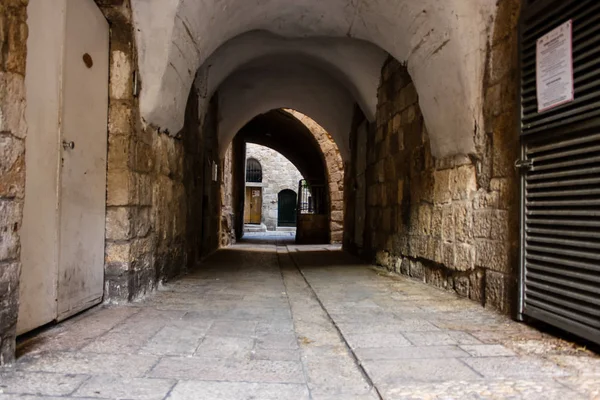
x: 68, y: 145
x: 524, y: 164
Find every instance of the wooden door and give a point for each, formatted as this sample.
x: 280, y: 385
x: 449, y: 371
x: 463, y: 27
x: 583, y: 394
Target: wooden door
x: 253, y: 205
x: 82, y: 190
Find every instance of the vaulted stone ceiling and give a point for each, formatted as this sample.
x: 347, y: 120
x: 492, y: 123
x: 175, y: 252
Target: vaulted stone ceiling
x: 317, y: 56
x: 288, y: 136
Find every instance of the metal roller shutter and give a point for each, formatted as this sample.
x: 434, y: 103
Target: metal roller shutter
x: 560, y: 253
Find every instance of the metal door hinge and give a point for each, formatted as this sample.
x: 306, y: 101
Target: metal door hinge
x: 524, y: 164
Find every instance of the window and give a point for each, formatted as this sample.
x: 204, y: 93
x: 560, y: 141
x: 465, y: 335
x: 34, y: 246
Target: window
x: 253, y: 171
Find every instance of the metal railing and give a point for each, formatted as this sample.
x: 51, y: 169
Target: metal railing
x: 312, y: 199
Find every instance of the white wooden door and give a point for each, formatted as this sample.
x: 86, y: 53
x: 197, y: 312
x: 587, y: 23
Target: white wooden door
x: 39, y: 233
x: 82, y: 189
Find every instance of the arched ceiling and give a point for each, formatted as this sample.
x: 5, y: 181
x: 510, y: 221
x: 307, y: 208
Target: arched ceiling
x: 354, y: 63
x: 287, y: 83
x: 285, y: 134
x: 443, y: 43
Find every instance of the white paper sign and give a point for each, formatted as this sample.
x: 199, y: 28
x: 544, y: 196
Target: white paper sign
x: 554, y: 67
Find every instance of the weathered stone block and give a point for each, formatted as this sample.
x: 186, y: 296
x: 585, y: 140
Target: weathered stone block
x: 484, y: 199
x: 120, y: 75
x: 505, y: 149
x: 337, y: 216
x: 503, y: 60
x: 12, y: 101
x: 434, y: 250
x: 482, y: 223
x: 142, y: 222
x: 9, y: 286
x: 424, y: 221
x: 441, y: 188
x: 119, y: 222
x: 461, y: 285
x: 117, y: 257
x: 119, y: 118
x: 492, y: 255
x: 119, y: 152
x: 417, y: 270
x: 463, y: 221
x: 17, y: 51
x: 12, y: 167
x: 144, y: 189
x: 117, y: 288
x: 463, y: 182
x: 500, y: 229
x: 121, y: 189
x: 141, y: 247
x: 11, y: 215
x: 497, y: 291
x: 447, y: 223
x: 448, y: 255
x: 413, y: 246
x: 464, y: 257
x: 143, y: 157
x: 434, y: 277
x: 436, y: 222
x: 476, y: 286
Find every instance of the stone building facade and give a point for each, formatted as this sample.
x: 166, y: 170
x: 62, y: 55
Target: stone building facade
x: 278, y: 174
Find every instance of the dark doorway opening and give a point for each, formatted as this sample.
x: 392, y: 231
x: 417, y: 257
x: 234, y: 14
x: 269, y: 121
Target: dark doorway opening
x: 286, y: 208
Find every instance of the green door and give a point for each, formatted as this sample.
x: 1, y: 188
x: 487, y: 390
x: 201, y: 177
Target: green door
x: 286, y: 208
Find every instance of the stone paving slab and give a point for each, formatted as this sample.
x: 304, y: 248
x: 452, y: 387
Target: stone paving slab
x: 259, y: 321
x: 131, y: 366
x: 40, y: 383
x: 190, y: 390
x: 458, y: 349
x: 103, y: 387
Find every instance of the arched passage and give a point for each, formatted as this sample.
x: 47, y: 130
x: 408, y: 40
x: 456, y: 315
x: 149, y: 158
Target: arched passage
x: 186, y: 75
x: 259, y: 89
x: 443, y: 44
x: 309, y: 148
x: 284, y: 133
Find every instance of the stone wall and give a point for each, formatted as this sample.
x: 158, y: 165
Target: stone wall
x: 13, y: 129
x: 335, y: 174
x: 227, y: 229
x: 278, y: 173
x: 450, y: 222
x: 162, y: 205
x: 130, y: 238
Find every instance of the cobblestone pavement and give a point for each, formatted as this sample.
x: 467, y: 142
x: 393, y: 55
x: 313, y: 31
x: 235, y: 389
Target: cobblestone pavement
x: 260, y: 321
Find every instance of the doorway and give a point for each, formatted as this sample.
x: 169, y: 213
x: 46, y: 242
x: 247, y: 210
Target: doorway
x: 65, y: 194
x: 286, y: 208
x: 253, y: 211
x: 560, y: 191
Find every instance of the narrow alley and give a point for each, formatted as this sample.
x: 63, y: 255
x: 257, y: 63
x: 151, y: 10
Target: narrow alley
x: 281, y: 321
x: 300, y: 199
